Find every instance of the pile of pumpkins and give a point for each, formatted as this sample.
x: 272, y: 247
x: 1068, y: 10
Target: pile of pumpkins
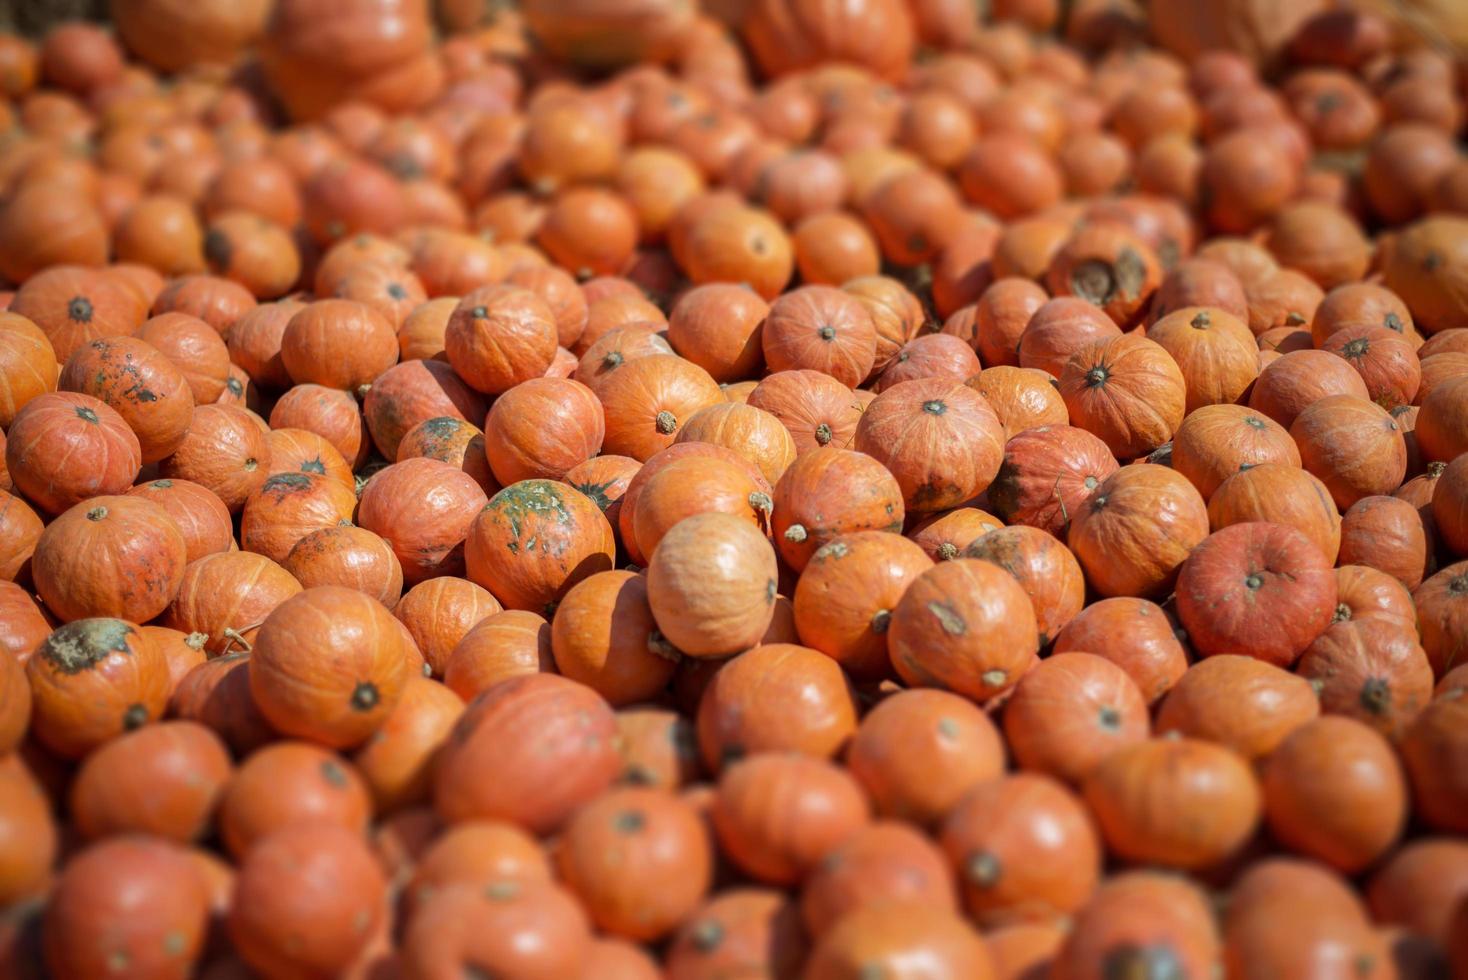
x: 617, y: 490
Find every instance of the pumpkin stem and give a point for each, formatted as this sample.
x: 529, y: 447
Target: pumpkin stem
x: 1342, y: 613
x: 658, y: 646
x: 823, y: 433
x: 1202, y: 321
x: 795, y: 534
x: 1096, y: 377
x: 983, y: 869
x: 79, y: 309
x: 828, y: 333
x: 934, y: 407
x: 233, y: 636
x: 86, y: 414
x: 196, y: 641
x: 1110, y: 718
x: 365, y: 696
x: 501, y: 891
x: 761, y: 501
x: 97, y: 514
x: 947, y: 551
x: 667, y: 422
x: 995, y: 677
x: 707, y: 935
x: 881, y: 619
x: 135, y: 716
x: 629, y: 822
x: 613, y: 359
x: 1376, y: 696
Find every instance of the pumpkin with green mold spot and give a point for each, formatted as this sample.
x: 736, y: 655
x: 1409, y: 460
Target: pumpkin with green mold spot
x: 91, y: 680
x: 534, y: 540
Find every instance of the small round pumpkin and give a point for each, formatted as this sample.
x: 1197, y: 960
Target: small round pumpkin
x: 141, y: 384
x: 202, y: 518
x: 964, y: 625
x: 55, y: 445
x: 494, y: 764
x: 285, y: 784
x: 817, y: 409
x: 289, y: 506
x: 1134, y: 532
x: 1258, y: 588
x: 91, y: 680
x: 27, y: 365
x: 1024, y: 850
x: 512, y: 643
x: 226, y: 596
x: 1043, y: 567
x: 121, y: 557
x: 1335, y: 791
x: 776, y: 697
x: 1240, y: 702
x: 225, y: 451
x: 440, y: 612
x: 424, y: 508
x: 1372, y: 670
x: 1070, y: 711
x: 814, y: 502
x: 1355, y: 447
x: 1128, y: 391
x: 349, y: 556
x: 499, y: 336
x: 1280, y: 494
x: 1216, y: 441
x: 1138, y: 794
x: 397, y: 760
x: 604, y: 636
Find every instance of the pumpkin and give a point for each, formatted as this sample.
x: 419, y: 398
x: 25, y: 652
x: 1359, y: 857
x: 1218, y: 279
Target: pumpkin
x: 30, y: 832
x: 1281, y: 494
x: 1290, y: 914
x: 20, y: 529
x: 348, y: 556
x: 91, y: 680
x: 1444, y: 412
x: 817, y: 409
x: 1127, y: 391
x: 499, y: 336
x: 914, y: 215
x: 639, y: 860
x: 965, y: 625
x: 506, y: 644
x: 286, y: 784
x: 480, y: 853
x: 777, y: 697
x: 921, y: 750
x: 1200, y: 282
x: 173, y: 36
x: 439, y: 612
x: 200, y: 516
x: 1042, y: 566
x: 1256, y: 587
x: 646, y: 400
x: 162, y: 780
x: 397, y: 760
x: 1387, y: 534
x: 1138, y: 792
x: 719, y: 327
x: 1417, y: 886
x: 1001, y: 314
x: 1046, y: 473
x: 1024, y: 850
x: 1365, y: 593
x: 47, y: 225
x: 306, y: 900
x: 604, y: 636
x: 337, y: 343
x: 883, y: 936
x: 786, y: 37
x: 120, y: 557
x: 225, y: 451
x: 740, y: 928
x: 72, y: 305
x: 605, y: 479
x: 1421, y: 267
x: 1060, y: 328
x: 1108, y: 266
x: 884, y: 860
x: 406, y: 395
x: 1432, y: 753
x: 329, y: 413
x: 902, y: 427
x: 575, y: 542
x: 823, y: 329
x: 752, y: 432
x: 845, y: 597
x: 393, y: 293
x: 604, y: 356
x: 289, y: 506
x: 64, y: 447
x: 424, y: 508
x: 111, y: 883
x: 507, y: 926
x: 1011, y: 176
x: 1372, y: 670
x: 1213, y: 349
x: 1240, y: 702
x: 1215, y: 442
x: 216, y: 693
x: 1023, y: 398
x: 328, y: 665
x: 494, y: 764
x: 696, y: 484
x: 15, y: 702
x: 27, y: 365
x: 753, y: 831
x: 1134, y: 532
x: 659, y: 748
x: 226, y: 596
x: 1386, y: 363
x: 301, y: 451
x: 815, y: 502
x: 896, y: 314
x: 194, y: 347
x: 1450, y: 505
x: 541, y: 429
x: 1069, y: 712
x: 944, y: 536
x: 452, y: 441
x: 1335, y: 791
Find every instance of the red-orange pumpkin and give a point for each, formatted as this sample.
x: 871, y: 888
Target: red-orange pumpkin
x: 63, y: 448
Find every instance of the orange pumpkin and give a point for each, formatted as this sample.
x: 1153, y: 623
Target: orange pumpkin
x: 226, y: 596
x: 506, y: 644
x: 712, y: 585
x: 964, y: 625
x: 1042, y: 566
x: 1134, y: 532
x: 225, y: 450
x: 697, y: 484
x: 1240, y: 702
x: 440, y: 612
x: 424, y: 508
x: 1138, y: 793
x: 328, y: 665
x: 887, y: 935
x: 396, y: 761
x: 351, y: 557
x: 91, y: 680
x: 300, y: 451
x: 1058, y: 329
x: 1140, y: 920
x: 289, y: 506
x: 1372, y: 670
x: 1216, y: 441
x: 408, y: 394
x: 646, y: 400
x: 329, y: 413
x: 73, y: 305
x: 1070, y: 711
x: 604, y: 636
x: 1127, y: 391
x: 719, y: 327
x: 27, y: 365
x: 814, y: 501
x: 1281, y: 494
x: 121, y: 557
x: 541, y: 429
x: 499, y: 336
x: 1355, y: 447
x: 63, y: 448
x: 817, y: 409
